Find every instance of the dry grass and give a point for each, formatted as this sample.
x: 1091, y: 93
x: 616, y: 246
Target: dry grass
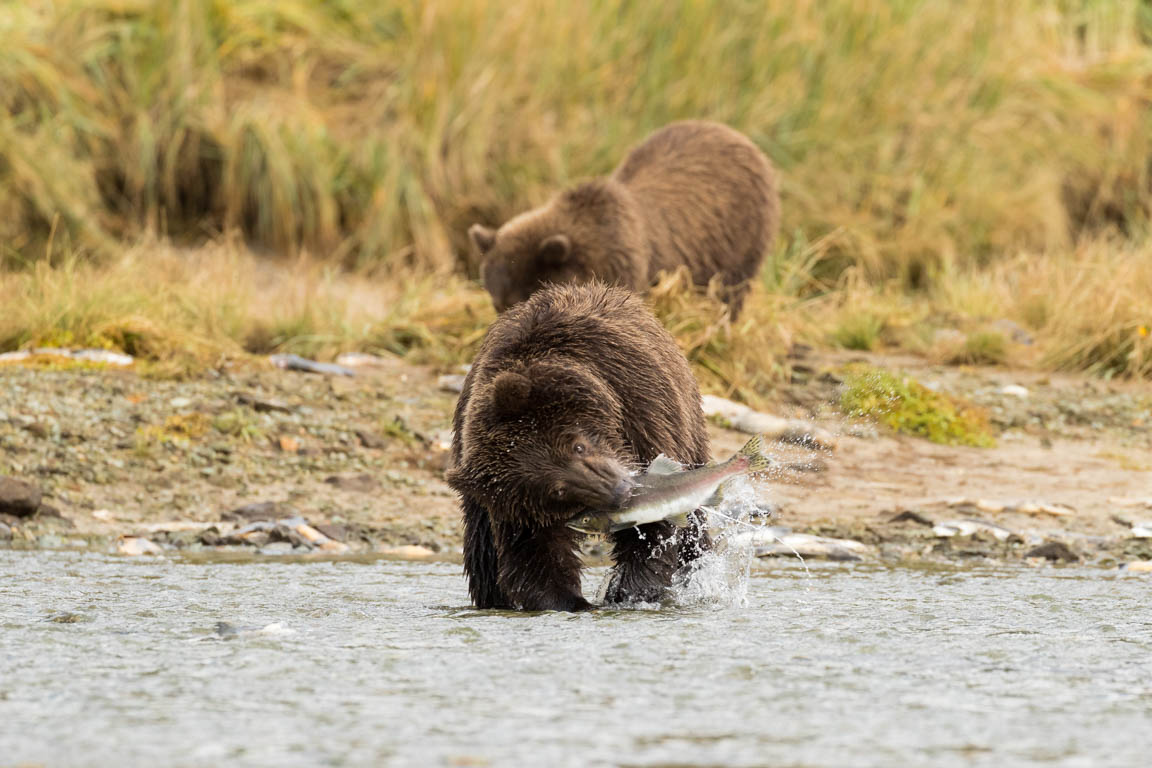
x: 942, y: 167
x: 189, y: 309
x: 930, y: 136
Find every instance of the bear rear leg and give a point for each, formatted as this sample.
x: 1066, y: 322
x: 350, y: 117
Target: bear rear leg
x: 646, y: 558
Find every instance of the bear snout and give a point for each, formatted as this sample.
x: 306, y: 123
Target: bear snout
x: 601, y: 483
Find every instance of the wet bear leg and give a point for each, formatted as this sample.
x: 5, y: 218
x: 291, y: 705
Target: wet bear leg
x: 540, y: 570
x: 646, y: 557
x: 480, y: 559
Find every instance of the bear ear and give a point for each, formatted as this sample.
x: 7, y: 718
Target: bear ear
x: 511, y: 393
x: 482, y: 237
x: 555, y: 249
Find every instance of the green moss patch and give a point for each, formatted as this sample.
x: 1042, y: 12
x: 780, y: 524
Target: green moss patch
x: 905, y: 405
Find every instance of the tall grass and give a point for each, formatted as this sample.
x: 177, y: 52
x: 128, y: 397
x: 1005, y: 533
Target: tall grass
x: 931, y: 134
x: 931, y: 153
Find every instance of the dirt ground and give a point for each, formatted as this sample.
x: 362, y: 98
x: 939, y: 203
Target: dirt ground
x: 119, y: 457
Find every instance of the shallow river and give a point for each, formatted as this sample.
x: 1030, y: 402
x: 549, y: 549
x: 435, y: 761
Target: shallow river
x: 114, y: 662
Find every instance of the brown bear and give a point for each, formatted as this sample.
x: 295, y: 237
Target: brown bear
x: 570, y: 391
x: 695, y: 194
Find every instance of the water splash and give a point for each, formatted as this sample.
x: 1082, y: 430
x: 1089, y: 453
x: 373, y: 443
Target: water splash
x: 738, y: 525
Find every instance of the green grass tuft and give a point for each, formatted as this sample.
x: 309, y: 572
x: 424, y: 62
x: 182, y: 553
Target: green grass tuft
x: 905, y: 405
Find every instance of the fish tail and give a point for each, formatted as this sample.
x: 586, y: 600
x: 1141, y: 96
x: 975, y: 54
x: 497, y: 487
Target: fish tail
x: 753, y: 451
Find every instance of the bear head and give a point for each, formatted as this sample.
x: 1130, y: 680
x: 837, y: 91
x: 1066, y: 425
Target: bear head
x: 542, y: 442
x: 585, y: 233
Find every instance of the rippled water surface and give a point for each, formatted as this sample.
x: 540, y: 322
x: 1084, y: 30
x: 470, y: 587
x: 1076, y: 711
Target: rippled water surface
x: 114, y: 662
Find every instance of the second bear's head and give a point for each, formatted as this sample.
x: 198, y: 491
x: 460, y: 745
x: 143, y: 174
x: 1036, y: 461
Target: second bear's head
x: 590, y: 231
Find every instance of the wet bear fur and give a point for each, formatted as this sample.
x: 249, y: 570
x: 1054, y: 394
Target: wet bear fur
x: 570, y: 391
x: 695, y: 194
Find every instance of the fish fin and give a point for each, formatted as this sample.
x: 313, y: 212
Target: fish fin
x: 753, y: 451
x: 717, y: 497
x: 662, y: 465
x: 681, y: 520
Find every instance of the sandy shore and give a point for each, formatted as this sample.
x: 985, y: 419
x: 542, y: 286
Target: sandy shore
x: 129, y: 464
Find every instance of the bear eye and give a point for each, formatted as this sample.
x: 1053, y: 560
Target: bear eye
x: 558, y: 492
x: 579, y: 448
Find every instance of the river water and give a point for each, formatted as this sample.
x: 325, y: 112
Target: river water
x: 107, y: 661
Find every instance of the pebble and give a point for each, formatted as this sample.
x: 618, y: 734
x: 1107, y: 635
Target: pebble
x: 264, y: 510
x: 103, y: 356
x: 263, y: 405
x: 180, y: 402
x: 1015, y: 390
x: 1139, y: 566
x: 970, y: 528
x: 1053, y: 551
x: 358, y: 360
x: 408, y: 552
x: 276, y: 548
x: 134, y: 545
x: 5, y: 532
x: 1142, y: 529
x: 297, y: 363
x: 779, y: 541
x: 18, y: 497
x: 362, y: 483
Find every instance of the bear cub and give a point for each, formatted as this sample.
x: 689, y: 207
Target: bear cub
x: 695, y: 194
x: 570, y: 391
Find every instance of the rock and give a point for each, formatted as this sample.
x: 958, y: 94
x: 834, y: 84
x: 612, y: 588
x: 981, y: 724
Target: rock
x: 102, y: 356
x: 408, y: 552
x: 451, y: 382
x: 262, y: 405
x: 1142, y: 529
x: 912, y: 516
x: 297, y: 363
x: 65, y: 617
x: 363, y: 483
x: 132, y: 545
x: 743, y: 419
x: 179, y: 403
x: 257, y: 538
x: 288, y: 444
x: 18, y: 497
x: 809, y: 546
x: 1053, y: 551
x: 277, y: 548
x: 5, y: 532
x: 359, y: 360
x: 334, y: 531
x: 971, y: 528
x: 264, y: 510
x: 370, y: 439
x: 1138, y: 566
x: 46, y: 512
x: 1014, y: 390
x: 1122, y: 502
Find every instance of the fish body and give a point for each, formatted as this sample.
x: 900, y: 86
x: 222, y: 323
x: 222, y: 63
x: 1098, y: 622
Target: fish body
x: 669, y: 492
